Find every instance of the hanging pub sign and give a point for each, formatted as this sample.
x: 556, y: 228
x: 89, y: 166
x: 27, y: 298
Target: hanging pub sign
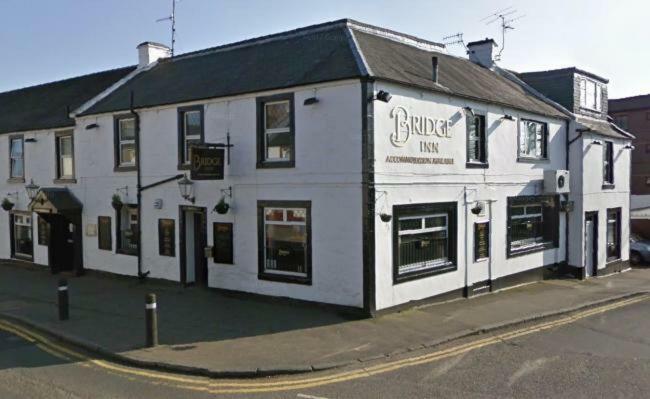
x: 206, y: 163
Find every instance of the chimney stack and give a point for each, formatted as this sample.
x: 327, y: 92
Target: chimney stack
x: 149, y: 52
x: 482, y: 52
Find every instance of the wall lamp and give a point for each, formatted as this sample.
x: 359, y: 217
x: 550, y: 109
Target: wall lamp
x: 30, y: 140
x: 597, y: 142
x: 92, y: 126
x: 469, y: 110
x: 186, y: 187
x: 382, y: 96
x: 508, y: 117
x: 629, y: 147
x: 311, y: 101
x: 32, y: 189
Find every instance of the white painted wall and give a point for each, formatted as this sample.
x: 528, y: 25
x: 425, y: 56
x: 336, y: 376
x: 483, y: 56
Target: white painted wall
x: 505, y: 177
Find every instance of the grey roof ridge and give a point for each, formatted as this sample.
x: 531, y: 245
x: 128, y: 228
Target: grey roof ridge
x: 612, y: 125
x: 629, y: 98
x: 531, y: 90
x: 399, y: 37
x: 358, y: 54
x: 567, y: 69
x: 100, y: 96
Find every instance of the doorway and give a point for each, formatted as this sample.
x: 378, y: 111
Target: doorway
x: 63, y: 238
x: 591, y: 244
x: 193, y: 232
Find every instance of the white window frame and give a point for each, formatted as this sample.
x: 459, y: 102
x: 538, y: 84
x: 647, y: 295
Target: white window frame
x: 122, y: 142
x: 529, y: 242
x: 191, y: 138
x: 25, y: 221
x: 523, y: 140
x: 284, y: 222
x: 596, y: 96
x: 12, y: 157
x: 267, y: 131
x: 419, y: 266
x: 59, y: 155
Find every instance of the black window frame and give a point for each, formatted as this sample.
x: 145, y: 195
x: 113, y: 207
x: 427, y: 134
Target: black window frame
x: 262, y: 273
x: 527, y: 159
x: 57, y: 144
x: 104, y: 243
x: 451, y: 209
x: 481, y: 140
x: 478, y: 258
x: 617, y: 213
x: 21, y: 178
x: 118, y: 167
x: 608, y: 164
x: 550, y: 222
x: 184, y: 164
x: 262, y: 163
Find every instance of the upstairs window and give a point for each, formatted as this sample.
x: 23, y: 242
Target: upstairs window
x: 64, y: 156
x: 476, y: 141
x: 125, y: 156
x: 590, y: 95
x: 190, y: 132
x: 533, y: 140
x: 17, y: 158
x: 608, y: 163
x: 276, y: 135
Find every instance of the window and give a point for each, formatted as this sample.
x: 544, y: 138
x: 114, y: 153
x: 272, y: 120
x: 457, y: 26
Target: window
x: 276, y: 136
x: 481, y: 241
x: 17, y: 158
x: 590, y: 94
x: 64, y: 156
x: 533, y: 138
x: 476, y: 140
x: 104, y: 233
x: 613, y: 234
x: 423, y: 240
x: 608, y: 163
x: 621, y: 121
x: 23, y: 245
x: 285, y: 241
x: 190, y: 131
x: 127, y: 230
x: 125, y: 156
x: 533, y: 224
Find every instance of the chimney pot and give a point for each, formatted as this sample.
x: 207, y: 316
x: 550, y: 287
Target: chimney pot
x: 482, y: 52
x: 150, y: 52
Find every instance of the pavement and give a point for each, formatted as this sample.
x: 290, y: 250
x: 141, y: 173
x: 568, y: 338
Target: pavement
x: 206, y: 332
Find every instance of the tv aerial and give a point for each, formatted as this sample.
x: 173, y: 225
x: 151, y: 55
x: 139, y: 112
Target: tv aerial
x: 172, y: 19
x: 507, y: 16
x: 453, y: 40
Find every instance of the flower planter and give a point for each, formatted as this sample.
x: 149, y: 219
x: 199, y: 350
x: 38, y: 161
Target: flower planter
x: 222, y: 207
x: 7, y: 205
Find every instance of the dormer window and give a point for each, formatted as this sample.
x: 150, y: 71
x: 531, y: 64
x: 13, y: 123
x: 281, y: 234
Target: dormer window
x: 591, y: 94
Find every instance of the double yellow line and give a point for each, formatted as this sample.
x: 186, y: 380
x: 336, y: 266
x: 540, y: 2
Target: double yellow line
x: 285, y: 384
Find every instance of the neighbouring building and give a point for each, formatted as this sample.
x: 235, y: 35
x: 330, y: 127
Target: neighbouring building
x: 633, y: 115
x: 340, y: 163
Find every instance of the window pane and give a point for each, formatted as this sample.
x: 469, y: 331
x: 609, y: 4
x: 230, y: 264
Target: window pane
x: 296, y: 215
x: 422, y: 251
x: 188, y: 145
x: 517, y: 210
x: 23, y: 235
x: 127, y: 153
x: 286, y: 248
x: 65, y: 146
x: 66, y: 166
x: 278, y: 146
x: 436, y: 221
x: 17, y: 148
x: 534, y: 210
x: 129, y: 230
x: 275, y: 215
x: 193, y: 123
x: 127, y: 129
x: 17, y: 167
x: 591, y: 95
x: 410, y: 224
x: 278, y: 115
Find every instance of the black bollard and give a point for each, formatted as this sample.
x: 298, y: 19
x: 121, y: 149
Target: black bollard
x: 64, y: 313
x: 151, y: 320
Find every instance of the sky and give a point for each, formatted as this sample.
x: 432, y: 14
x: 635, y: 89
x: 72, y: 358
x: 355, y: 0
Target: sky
x: 48, y: 40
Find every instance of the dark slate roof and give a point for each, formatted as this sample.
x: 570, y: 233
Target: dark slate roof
x: 604, y: 128
x: 61, y: 198
x: 565, y: 71
x: 326, y: 52
x: 629, y: 103
x: 556, y: 85
x: 46, y: 106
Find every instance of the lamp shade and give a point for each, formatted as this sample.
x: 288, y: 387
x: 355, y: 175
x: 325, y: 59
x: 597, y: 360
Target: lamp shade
x: 186, y: 187
x: 32, y: 189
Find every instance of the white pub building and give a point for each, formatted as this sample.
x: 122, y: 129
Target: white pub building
x: 340, y: 163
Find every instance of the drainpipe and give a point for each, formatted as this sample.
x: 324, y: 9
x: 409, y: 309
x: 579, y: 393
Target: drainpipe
x: 141, y: 275
x: 566, y: 214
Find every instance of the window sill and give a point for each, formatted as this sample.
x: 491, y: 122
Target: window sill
x: 183, y: 166
x: 608, y: 186
x: 532, y: 160
x: 281, y: 278
x: 125, y: 168
x: 612, y: 260
x: 477, y: 165
x: 276, y: 165
x: 65, y: 181
x: 530, y: 249
x: 16, y: 180
x: 403, y: 278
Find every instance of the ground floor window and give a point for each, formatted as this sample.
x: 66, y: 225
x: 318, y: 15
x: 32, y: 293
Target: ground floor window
x: 423, y: 240
x: 23, y: 244
x: 533, y: 224
x: 285, y: 241
x: 613, y: 234
x: 127, y: 230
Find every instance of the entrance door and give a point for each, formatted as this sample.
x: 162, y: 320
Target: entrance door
x: 194, y: 232
x: 591, y: 247
x: 61, y: 248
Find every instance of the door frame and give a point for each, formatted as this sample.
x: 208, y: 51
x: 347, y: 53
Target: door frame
x: 593, y: 216
x: 182, y: 210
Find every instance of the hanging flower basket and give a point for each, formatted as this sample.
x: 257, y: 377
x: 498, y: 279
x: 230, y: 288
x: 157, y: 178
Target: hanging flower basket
x: 7, y: 205
x: 116, y: 202
x: 385, y: 217
x: 222, y: 207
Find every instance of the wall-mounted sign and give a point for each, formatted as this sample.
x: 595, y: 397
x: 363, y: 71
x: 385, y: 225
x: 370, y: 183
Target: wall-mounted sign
x: 91, y: 230
x: 206, y: 163
x: 481, y: 240
x: 166, y: 237
x: 223, y: 240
